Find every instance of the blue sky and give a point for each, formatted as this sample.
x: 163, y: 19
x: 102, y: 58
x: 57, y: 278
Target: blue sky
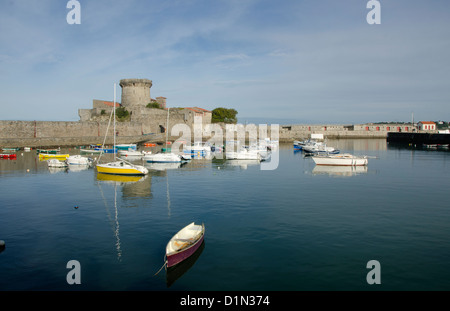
x: 311, y: 61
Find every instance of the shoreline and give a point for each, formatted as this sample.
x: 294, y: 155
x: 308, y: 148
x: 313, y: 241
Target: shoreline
x: 48, y: 142
x: 44, y: 134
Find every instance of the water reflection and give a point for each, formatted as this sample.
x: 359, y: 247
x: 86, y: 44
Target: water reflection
x: 424, y: 147
x: 163, y: 166
x: 339, y: 171
x: 175, y: 272
x: 243, y: 164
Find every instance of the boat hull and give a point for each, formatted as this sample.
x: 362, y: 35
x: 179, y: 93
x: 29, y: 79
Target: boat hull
x: 43, y: 156
x: 340, y: 161
x: 118, y: 170
x: 8, y: 156
x: 162, y: 158
x: 178, y: 256
x: 175, y: 259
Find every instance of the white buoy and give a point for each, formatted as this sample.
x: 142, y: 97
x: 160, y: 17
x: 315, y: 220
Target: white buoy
x: 2, y: 245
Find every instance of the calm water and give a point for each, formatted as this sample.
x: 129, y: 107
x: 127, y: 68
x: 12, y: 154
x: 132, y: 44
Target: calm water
x: 291, y: 229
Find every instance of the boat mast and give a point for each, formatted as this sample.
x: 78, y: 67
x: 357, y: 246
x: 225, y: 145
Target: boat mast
x: 114, y: 108
x: 167, y: 127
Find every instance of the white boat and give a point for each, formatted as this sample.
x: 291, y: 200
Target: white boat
x: 243, y: 154
x: 79, y: 160
x: 269, y: 144
x: 56, y: 163
x: 126, y: 147
x: 319, y: 147
x: 345, y: 159
x: 197, y: 148
x: 299, y: 144
x: 120, y: 167
x: 262, y: 149
x: 163, y: 158
x: 184, y: 243
x: 166, y: 157
x: 130, y: 153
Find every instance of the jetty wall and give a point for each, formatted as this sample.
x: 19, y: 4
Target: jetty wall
x: 62, y: 133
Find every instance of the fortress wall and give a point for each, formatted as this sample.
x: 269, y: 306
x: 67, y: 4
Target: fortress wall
x: 54, y: 133
x: 60, y: 133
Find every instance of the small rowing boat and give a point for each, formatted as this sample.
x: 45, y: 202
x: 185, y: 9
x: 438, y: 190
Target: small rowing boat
x: 184, y: 243
x: 8, y: 155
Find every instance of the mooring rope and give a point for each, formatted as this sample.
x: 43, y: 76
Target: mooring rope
x: 165, y: 263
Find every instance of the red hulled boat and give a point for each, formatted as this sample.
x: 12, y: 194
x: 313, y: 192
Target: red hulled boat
x: 184, y: 243
x: 8, y: 155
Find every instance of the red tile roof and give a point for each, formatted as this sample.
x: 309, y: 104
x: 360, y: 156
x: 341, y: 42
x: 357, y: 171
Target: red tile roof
x: 197, y: 109
x: 111, y: 104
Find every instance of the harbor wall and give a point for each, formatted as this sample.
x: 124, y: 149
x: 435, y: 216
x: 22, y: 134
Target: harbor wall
x: 62, y: 133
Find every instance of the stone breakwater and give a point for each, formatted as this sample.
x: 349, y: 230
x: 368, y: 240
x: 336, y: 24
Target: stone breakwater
x: 62, y: 133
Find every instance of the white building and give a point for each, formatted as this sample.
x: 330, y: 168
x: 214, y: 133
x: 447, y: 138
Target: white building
x: 427, y: 126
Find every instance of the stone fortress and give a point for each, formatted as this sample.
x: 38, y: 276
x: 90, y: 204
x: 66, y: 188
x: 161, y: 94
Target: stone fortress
x: 151, y: 113
x: 145, y: 122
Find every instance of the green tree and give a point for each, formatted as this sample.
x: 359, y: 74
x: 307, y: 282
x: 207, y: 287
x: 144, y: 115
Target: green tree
x: 153, y: 105
x: 122, y: 114
x: 224, y: 115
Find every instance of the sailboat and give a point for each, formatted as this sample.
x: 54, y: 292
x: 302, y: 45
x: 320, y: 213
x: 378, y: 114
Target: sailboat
x: 165, y: 157
x: 119, y: 167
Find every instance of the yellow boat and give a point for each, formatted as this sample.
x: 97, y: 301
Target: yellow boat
x: 119, y: 178
x: 121, y: 168
x: 45, y: 156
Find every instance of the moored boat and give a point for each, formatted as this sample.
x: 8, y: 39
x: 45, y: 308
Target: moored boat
x: 48, y: 151
x: 345, y: 159
x: 79, y: 160
x: 56, y: 163
x: 319, y: 148
x: 184, y: 243
x: 45, y: 156
x: 243, y: 154
x: 130, y: 153
x: 93, y: 149
x: 8, y: 156
x: 164, y: 158
x: 126, y: 147
x: 120, y: 167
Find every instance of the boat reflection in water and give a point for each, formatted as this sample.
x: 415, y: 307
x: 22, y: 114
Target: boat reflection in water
x: 124, y: 181
x: 243, y: 164
x: 339, y: 171
x: 159, y: 166
x: 175, y: 272
x: 120, y: 178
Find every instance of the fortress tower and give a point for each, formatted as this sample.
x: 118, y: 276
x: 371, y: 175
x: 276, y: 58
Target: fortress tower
x: 135, y: 93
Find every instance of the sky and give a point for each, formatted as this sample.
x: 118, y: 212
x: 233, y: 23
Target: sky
x: 285, y: 61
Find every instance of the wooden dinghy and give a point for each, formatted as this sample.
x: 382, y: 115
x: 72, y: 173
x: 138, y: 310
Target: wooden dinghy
x: 184, y: 243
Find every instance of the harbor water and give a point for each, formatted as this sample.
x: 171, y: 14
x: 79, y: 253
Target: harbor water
x: 298, y: 227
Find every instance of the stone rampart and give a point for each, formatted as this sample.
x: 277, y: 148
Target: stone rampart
x: 60, y: 133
